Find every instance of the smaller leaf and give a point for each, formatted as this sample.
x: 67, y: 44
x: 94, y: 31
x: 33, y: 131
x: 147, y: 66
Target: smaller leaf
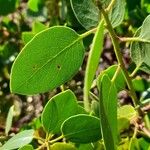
x: 62, y: 146
x: 19, y: 140
x: 119, y: 82
x: 116, y: 15
x: 81, y: 129
x: 9, y: 119
x: 127, y: 111
x: 27, y: 147
x: 33, y: 5
x: 61, y: 106
x: 86, y: 12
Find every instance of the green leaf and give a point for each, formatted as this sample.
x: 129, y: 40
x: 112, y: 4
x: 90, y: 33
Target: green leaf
x: 19, y: 140
x: 119, y: 82
x: 81, y: 129
x: 144, y: 143
x: 27, y: 147
x: 62, y: 106
x: 123, y: 124
x: 62, y: 146
x: 50, y: 59
x: 38, y: 26
x: 33, y: 5
x: 86, y: 147
x: 86, y: 12
x: 7, y: 6
x: 9, y: 119
x: 27, y: 36
x: 116, y: 14
x: 140, y: 53
x: 95, y: 107
x: 93, y: 59
x: 127, y: 111
x: 108, y: 112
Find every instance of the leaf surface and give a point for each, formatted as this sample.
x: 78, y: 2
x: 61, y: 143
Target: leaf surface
x: 19, y: 140
x: 50, y: 59
x: 58, y: 109
x: 82, y: 129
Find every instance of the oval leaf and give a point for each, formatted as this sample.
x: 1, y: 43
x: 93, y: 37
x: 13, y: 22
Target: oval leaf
x: 93, y: 59
x: 58, y: 109
x: 82, y: 129
x: 108, y: 112
x: 50, y: 59
x: 86, y: 12
x: 19, y: 140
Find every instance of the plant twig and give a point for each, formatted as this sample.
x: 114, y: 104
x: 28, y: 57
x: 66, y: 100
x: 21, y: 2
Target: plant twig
x: 119, y: 56
x: 135, y: 70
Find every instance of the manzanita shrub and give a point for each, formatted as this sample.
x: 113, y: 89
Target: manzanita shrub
x: 54, y: 55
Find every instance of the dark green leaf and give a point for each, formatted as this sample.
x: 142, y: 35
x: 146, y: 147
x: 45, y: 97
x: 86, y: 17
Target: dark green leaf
x: 19, y: 140
x: 7, y: 6
x: 82, y: 129
x: 50, y: 59
x: 86, y: 12
x: 57, y: 110
x: 108, y: 112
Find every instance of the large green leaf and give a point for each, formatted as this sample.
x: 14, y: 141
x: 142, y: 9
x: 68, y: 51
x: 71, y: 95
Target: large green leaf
x: 108, y: 112
x: 140, y: 53
x: 82, y: 129
x: 19, y: 140
x: 58, y: 109
x: 93, y: 59
x: 50, y: 59
x: 86, y: 12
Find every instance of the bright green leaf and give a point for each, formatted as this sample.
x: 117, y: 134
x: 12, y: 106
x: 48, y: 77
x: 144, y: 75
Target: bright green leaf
x: 58, y: 109
x: 123, y: 124
x: 108, y: 112
x: 86, y: 12
x: 9, y: 120
x: 33, y: 5
x: 50, y: 59
x: 62, y: 146
x: 19, y: 140
x: 26, y: 147
x: 93, y: 59
x: 82, y: 129
x: 127, y: 111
